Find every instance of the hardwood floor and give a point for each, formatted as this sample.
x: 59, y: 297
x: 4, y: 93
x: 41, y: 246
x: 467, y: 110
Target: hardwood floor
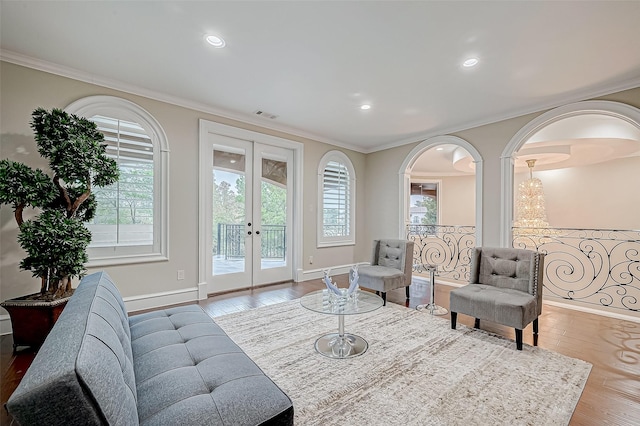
x: 610, y: 397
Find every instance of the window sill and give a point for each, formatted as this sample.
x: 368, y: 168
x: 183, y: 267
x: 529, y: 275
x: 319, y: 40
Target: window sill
x: 335, y: 244
x: 125, y: 260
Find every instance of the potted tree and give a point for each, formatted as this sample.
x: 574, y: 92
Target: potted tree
x: 56, y: 239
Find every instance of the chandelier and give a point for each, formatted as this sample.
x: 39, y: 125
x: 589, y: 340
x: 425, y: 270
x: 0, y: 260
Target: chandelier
x: 531, y: 212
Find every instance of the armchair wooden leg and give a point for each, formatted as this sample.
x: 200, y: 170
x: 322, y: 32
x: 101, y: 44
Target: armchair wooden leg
x: 476, y: 324
x: 407, y: 289
x: 454, y: 317
x: 535, y: 332
x: 384, y: 298
x: 518, y: 339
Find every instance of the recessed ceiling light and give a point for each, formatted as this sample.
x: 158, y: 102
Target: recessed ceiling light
x: 365, y: 106
x: 470, y: 62
x: 439, y: 148
x: 215, y: 41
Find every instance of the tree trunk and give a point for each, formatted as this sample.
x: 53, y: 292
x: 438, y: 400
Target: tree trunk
x: 63, y: 286
x: 43, y: 284
x: 17, y: 213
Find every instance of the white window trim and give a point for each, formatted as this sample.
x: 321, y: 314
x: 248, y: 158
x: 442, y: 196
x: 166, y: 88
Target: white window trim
x: 111, y: 106
x: 350, y: 239
x: 418, y: 179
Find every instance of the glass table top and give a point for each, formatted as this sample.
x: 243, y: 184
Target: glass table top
x: 321, y: 301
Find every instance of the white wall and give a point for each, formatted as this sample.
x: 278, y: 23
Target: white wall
x: 598, y: 196
x: 378, y: 195
x: 382, y: 169
x: 24, y: 89
x: 458, y: 200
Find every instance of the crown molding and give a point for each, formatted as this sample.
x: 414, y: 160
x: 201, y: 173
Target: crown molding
x: 583, y: 95
x: 52, y: 68
x: 68, y: 72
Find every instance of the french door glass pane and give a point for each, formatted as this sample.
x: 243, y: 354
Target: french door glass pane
x: 273, y: 187
x: 229, y: 212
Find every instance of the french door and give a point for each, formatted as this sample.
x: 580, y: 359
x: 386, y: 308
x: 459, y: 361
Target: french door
x: 251, y: 204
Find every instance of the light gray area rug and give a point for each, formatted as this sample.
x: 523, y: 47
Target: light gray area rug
x: 417, y: 371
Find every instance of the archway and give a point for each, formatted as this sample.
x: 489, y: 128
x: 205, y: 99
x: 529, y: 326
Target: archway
x: 623, y: 112
x: 590, y: 260
x: 445, y: 244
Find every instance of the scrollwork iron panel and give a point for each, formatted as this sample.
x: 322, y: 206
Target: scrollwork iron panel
x: 595, y: 266
x: 446, y: 247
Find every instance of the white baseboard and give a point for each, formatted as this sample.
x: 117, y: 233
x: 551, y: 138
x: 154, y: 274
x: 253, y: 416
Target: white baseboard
x: 202, y: 291
x: 157, y: 300
x: 314, y: 274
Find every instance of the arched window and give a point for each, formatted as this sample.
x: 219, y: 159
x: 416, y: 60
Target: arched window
x: 336, y: 200
x: 130, y: 224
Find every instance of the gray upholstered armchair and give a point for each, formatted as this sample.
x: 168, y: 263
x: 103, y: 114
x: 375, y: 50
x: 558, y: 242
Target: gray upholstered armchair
x: 390, y: 267
x: 505, y: 286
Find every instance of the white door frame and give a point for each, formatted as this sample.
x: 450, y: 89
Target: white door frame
x: 204, y: 198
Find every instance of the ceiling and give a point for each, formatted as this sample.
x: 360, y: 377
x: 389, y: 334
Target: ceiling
x: 313, y: 64
x: 570, y: 142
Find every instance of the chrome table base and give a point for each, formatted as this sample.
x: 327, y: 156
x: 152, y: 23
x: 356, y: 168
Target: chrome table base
x: 432, y: 308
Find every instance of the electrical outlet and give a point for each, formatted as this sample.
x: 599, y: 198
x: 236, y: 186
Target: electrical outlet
x: 181, y: 274
x: 310, y: 260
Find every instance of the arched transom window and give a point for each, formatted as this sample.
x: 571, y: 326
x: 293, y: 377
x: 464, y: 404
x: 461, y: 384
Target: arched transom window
x: 131, y: 218
x: 336, y: 200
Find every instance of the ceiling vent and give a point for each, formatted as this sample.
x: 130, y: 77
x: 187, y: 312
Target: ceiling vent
x: 265, y: 114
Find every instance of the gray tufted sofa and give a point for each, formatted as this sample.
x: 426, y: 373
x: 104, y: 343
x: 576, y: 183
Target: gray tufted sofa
x: 169, y: 367
x: 505, y: 287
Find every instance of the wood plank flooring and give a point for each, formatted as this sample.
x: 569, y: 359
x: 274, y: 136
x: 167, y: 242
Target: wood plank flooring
x: 611, y: 395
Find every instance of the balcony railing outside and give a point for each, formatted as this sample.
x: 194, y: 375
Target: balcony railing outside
x: 229, y: 241
x: 600, y: 267
x: 446, y: 247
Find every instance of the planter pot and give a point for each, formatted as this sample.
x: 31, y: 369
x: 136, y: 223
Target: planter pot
x: 32, y: 320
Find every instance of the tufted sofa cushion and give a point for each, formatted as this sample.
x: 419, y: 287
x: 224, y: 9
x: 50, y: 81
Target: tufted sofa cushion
x: 188, y: 371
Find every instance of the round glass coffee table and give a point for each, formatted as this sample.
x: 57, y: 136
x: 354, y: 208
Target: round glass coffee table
x: 341, y: 344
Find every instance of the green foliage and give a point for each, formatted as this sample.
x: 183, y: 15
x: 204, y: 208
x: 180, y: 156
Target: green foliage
x: 75, y: 148
x: 56, y: 240
x: 228, y: 205
x: 55, y: 244
x: 20, y: 185
x: 431, y: 216
x: 132, y: 198
x: 85, y: 212
x: 274, y: 204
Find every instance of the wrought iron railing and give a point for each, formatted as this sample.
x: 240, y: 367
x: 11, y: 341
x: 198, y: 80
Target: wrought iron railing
x: 600, y: 267
x: 446, y: 247
x: 594, y: 266
x: 229, y: 241
x: 273, y: 241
